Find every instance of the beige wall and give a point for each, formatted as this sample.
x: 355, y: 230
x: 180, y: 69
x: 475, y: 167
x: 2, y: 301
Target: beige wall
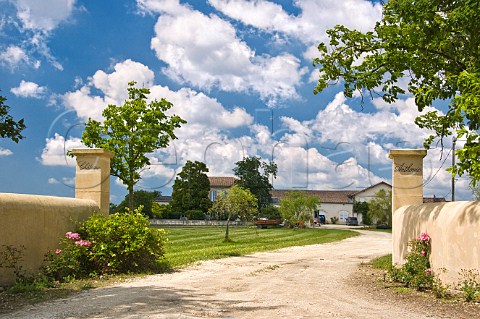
x: 369, y: 194
x: 333, y: 210
x: 37, y: 223
x: 455, y: 231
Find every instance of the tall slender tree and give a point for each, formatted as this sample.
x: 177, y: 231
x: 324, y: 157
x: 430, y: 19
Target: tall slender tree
x: 254, y: 175
x: 237, y: 202
x: 191, y: 188
x: 131, y: 131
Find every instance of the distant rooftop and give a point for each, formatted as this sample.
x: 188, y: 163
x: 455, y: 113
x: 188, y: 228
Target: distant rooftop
x: 221, y: 181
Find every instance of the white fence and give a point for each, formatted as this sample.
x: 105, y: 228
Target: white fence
x: 187, y: 222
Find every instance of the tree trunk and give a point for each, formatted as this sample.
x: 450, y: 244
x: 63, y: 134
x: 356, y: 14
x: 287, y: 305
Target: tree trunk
x: 131, y: 204
x: 226, y: 230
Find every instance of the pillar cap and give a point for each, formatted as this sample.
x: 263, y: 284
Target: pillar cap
x: 92, y: 151
x: 407, y: 152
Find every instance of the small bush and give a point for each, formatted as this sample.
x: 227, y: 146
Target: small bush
x: 416, y: 272
x: 439, y: 289
x: 11, y: 257
x: 120, y: 243
x: 470, y: 284
x: 334, y: 219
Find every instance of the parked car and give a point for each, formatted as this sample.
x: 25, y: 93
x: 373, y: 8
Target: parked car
x: 352, y: 221
x: 323, y: 219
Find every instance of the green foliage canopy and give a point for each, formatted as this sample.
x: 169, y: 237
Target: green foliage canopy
x: 435, y: 46
x: 380, y: 208
x: 254, y: 175
x: 131, y: 131
x: 140, y: 198
x: 297, y: 207
x: 191, y: 188
x: 362, y: 208
x: 9, y: 128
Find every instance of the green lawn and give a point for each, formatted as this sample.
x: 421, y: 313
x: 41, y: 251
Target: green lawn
x: 187, y: 245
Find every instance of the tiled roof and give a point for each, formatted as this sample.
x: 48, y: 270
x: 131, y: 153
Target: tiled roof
x: 338, y: 197
x: 219, y: 181
x: 384, y: 183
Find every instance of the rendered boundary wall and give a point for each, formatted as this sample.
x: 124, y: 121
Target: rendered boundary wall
x: 455, y: 231
x: 37, y: 223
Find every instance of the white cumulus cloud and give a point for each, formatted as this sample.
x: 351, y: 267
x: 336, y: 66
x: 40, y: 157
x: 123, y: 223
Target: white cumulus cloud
x: 55, y: 151
x: 35, y: 21
x: 14, y: 56
x: 205, y: 51
x: 113, y: 86
x: 52, y: 181
x: 310, y: 24
x: 5, y: 152
x: 28, y: 89
x: 203, y: 138
x: 43, y: 15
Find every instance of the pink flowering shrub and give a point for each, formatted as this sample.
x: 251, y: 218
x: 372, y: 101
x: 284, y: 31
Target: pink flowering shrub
x: 416, y: 271
x: 72, y: 261
x: 423, y: 237
x: 85, y: 243
x: 71, y: 235
x: 119, y: 243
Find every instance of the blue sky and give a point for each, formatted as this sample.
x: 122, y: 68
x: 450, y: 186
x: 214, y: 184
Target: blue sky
x: 227, y: 66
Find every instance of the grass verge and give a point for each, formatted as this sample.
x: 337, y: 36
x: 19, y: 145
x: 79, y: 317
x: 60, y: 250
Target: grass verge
x: 382, y: 262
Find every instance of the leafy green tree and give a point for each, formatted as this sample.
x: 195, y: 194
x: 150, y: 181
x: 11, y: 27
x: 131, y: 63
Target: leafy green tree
x: 297, y: 207
x: 9, y: 128
x: 432, y: 44
x: 191, y: 188
x: 254, y: 175
x: 237, y: 202
x: 362, y: 208
x: 131, y: 131
x: 161, y: 211
x: 380, y: 208
x: 140, y: 198
x: 112, y: 208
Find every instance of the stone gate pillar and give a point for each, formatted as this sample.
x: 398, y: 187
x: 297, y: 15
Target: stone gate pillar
x: 407, y: 189
x: 407, y: 177
x: 92, y: 178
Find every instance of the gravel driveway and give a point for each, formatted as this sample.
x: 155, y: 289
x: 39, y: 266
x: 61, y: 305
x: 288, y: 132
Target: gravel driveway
x: 296, y: 282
